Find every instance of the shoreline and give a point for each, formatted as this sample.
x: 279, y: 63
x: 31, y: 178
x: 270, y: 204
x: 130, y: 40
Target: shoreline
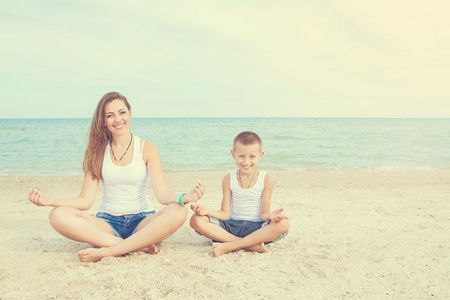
x: 349, y: 170
x: 354, y: 234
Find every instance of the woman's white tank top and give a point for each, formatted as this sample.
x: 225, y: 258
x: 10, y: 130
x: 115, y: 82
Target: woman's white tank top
x: 246, y: 203
x: 125, y: 187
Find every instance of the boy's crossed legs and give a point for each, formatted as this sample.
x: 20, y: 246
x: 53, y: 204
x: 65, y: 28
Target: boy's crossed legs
x: 253, y: 241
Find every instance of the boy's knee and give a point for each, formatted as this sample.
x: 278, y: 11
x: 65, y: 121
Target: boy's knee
x: 196, y: 221
x: 283, y: 225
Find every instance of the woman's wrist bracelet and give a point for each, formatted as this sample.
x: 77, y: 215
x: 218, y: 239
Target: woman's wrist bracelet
x: 179, y: 200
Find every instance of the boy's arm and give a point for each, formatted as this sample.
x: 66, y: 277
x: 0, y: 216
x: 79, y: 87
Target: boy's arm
x: 224, y: 212
x: 264, y: 214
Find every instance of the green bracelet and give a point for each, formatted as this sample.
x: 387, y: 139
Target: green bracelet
x: 179, y: 199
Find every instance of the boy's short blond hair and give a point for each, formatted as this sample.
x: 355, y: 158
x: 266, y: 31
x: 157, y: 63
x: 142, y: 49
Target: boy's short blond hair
x: 247, y: 138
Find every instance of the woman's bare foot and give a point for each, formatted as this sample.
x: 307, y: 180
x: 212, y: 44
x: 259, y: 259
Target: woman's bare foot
x: 92, y: 254
x: 152, y: 249
x: 96, y: 254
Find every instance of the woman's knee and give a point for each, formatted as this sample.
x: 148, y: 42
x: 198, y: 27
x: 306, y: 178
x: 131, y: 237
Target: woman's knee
x: 179, y: 213
x: 61, y: 215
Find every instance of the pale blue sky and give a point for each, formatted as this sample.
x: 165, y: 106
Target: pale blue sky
x: 226, y: 58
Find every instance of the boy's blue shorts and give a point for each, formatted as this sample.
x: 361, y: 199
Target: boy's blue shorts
x: 124, y: 226
x: 242, y: 228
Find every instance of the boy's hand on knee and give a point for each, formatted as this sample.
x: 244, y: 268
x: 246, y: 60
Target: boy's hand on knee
x: 199, y: 210
x: 277, y: 215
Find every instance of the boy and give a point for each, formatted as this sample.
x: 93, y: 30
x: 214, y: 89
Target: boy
x: 246, y: 193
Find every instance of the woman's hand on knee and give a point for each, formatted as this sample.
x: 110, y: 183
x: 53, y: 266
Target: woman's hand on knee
x: 39, y: 199
x: 195, y: 194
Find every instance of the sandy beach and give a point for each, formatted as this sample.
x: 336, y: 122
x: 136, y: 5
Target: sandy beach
x: 369, y: 235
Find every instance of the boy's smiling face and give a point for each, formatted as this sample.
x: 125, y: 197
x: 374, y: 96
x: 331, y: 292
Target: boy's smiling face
x: 247, y: 157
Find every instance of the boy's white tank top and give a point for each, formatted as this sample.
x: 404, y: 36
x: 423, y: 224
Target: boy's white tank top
x: 246, y: 203
x: 125, y: 188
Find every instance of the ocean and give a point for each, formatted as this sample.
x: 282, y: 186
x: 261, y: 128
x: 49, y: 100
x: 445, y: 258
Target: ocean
x: 56, y: 146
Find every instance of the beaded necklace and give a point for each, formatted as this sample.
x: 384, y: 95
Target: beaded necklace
x: 112, y: 150
x: 240, y: 179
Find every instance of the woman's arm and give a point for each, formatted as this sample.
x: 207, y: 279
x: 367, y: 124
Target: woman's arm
x: 83, y: 202
x: 162, y: 193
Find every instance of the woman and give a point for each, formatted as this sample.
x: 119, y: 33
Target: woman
x: 126, y: 220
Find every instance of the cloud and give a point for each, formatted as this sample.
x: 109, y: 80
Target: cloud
x: 253, y: 58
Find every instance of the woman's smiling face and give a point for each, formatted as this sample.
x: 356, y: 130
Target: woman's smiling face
x: 117, y: 117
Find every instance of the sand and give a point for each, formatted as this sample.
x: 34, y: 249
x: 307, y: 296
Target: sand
x: 370, y: 235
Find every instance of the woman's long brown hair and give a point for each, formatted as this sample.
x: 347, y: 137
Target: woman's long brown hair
x: 99, y: 136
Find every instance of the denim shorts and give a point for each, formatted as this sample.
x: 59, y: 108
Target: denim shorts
x: 242, y: 228
x: 126, y: 225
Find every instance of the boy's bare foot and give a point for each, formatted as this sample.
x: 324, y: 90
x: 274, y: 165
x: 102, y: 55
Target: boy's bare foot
x: 261, y: 248
x: 223, y: 248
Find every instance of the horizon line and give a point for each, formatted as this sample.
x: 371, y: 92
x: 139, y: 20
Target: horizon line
x: 88, y: 118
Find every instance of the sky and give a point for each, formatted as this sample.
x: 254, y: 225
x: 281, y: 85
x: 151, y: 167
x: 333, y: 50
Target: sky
x: 256, y: 58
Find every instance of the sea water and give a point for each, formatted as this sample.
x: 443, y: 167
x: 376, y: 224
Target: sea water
x: 56, y: 146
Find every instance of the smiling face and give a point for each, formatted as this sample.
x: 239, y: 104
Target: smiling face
x: 247, y: 157
x: 117, y: 117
